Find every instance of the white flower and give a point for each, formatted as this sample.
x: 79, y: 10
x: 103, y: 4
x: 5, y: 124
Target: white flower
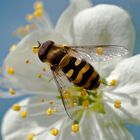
x: 103, y: 24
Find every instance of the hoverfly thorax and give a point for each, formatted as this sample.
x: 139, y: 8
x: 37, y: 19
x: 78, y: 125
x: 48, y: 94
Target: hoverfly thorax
x: 54, y: 55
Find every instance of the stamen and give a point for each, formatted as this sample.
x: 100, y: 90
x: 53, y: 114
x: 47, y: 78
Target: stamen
x: 38, y: 13
x: 54, y: 131
x: 55, y: 110
x: 66, y: 94
x: 23, y: 114
x: 99, y: 51
x: 40, y: 75
x: 85, y: 103
x: 35, y: 49
x: 38, y: 5
x: 44, y: 69
x: 31, y: 136
x: 12, y: 48
x: 29, y: 17
x: 113, y: 82
x: 84, y: 92
x: 11, y: 71
x: 12, y: 91
x: 117, y: 104
x: 42, y: 99
x: 27, y: 61
x: 16, y: 107
x: 75, y: 128
x: 49, y: 112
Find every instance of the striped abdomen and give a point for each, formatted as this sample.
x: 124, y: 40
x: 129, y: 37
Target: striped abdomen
x: 82, y: 74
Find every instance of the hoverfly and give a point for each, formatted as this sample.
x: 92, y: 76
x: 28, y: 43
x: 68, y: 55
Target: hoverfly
x: 71, y: 62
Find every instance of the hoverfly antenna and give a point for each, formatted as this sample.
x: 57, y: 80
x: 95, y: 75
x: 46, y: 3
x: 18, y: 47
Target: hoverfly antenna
x: 39, y: 44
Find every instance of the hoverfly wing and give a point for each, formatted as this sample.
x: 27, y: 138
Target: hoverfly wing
x: 99, y: 52
x: 62, y: 84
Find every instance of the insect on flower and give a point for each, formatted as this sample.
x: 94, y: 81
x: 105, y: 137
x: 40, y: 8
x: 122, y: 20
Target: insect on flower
x: 76, y: 78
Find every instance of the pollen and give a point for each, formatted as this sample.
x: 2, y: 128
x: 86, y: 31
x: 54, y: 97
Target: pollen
x: 55, y: 110
x: 66, y: 94
x: 51, y: 102
x: 38, y: 13
x: 75, y: 128
x: 40, y: 75
x: 54, y: 131
x: 117, y: 103
x: 31, y: 136
x: 23, y: 114
x: 27, y: 28
x: 113, y: 82
x: 42, y: 99
x: 38, y: 5
x: 44, y: 69
x: 85, y: 103
x: 84, y: 92
x: 99, y: 51
x: 16, y: 107
x: 11, y: 71
x: 12, y: 48
x: 27, y: 61
x: 29, y: 17
x: 35, y: 49
x: 12, y: 91
x: 49, y: 111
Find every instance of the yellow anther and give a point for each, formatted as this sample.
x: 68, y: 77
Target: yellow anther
x: 29, y: 17
x: 38, y: 13
x: 51, y: 102
x: 43, y: 69
x: 16, y: 107
x: 42, y: 99
x: 75, y: 128
x: 35, y: 49
x: 27, y: 28
x: 66, y: 94
x: 84, y: 92
x: 38, y: 5
x: 23, y: 114
x: 27, y: 61
x: 117, y: 103
x: 12, y: 91
x: 113, y: 82
x: 40, y: 75
x: 49, y: 111
x: 85, y: 103
x: 11, y: 71
x: 54, y: 131
x: 20, y: 30
x: 31, y: 136
x: 55, y: 110
x: 12, y: 48
x: 99, y: 51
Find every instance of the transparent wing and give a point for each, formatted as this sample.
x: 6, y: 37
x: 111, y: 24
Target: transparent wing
x: 99, y: 52
x: 69, y: 101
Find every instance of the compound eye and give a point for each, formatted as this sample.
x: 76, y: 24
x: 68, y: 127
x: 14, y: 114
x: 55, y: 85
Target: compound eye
x: 43, y: 50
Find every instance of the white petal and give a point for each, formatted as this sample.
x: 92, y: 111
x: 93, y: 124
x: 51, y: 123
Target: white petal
x: 14, y: 127
x: 26, y: 75
x: 64, y: 23
x: 95, y: 126
x: 104, y: 24
x: 127, y: 73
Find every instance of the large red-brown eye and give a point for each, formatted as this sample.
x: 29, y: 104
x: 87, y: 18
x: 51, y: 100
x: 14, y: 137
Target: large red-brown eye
x: 43, y: 50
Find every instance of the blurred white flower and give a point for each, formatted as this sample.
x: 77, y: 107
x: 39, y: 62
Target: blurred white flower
x: 37, y: 116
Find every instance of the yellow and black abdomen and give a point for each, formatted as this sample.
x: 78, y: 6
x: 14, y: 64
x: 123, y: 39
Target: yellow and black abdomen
x: 82, y: 74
